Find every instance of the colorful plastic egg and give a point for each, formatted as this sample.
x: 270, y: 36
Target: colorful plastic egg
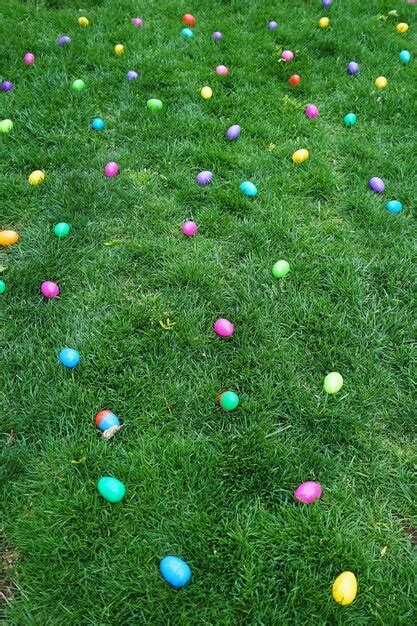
x: 248, y: 188
x: 49, y: 289
x: 376, y: 184
x: 381, y: 82
x: 6, y: 126
x: 62, y: 229
x: 154, y: 104
x: 350, y: 119
x: 175, y: 571
x: 187, y: 33
x: 106, y: 419
x: 98, y: 123
x: 119, y: 49
x: 221, y: 70
x: 345, y: 588
x: 405, y: 57
x: 111, y: 169
x: 308, y: 492
x: 6, y: 85
x: 352, y: 67
x: 233, y: 132
x: 326, y: 3
x: 83, y: 21
x: 69, y: 357
x: 280, y: 268
x: 311, y: 111
x: 272, y: 25
x: 189, y: 228
x: 8, y: 237
x: 3, y: 287
x: 64, y: 40
x: 394, y: 206
x: 29, y: 58
x: 131, y: 75
x: 78, y: 85
x: 324, y: 22
x: 136, y: 21
x: 204, y: 178
x: 36, y: 178
x: 402, y: 27
x: 229, y: 400
x: 294, y: 80
x: 333, y: 382
x: 112, y: 489
x: 206, y: 93
x: 287, y: 55
x: 223, y: 327
x: 188, y: 19
x: 217, y: 35
x: 300, y: 156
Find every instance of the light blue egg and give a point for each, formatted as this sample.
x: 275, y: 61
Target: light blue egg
x: 175, y: 571
x: 394, y: 206
x: 248, y: 188
x: 404, y: 56
x: 69, y: 357
x: 187, y: 32
x: 97, y: 123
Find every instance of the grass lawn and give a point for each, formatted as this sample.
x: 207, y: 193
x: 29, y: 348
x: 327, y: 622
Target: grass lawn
x: 212, y: 487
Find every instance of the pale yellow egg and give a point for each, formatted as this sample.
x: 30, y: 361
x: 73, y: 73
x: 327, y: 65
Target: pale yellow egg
x: 381, y: 82
x: 36, y: 177
x: 119, y: 49
x: 402, y: 27
x: 345, y: 588
x: 83, y: 21
x: 300, y: 156
x: 206, y: 93
x: 324, y: 22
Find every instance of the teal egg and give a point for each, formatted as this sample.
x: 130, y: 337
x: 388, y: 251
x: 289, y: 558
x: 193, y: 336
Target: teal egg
x: 112, y: 489
x: 3, y: 286
x: 394, y: 206
x: 350, y: 119
x: 405, y: 57
x: 187, y: 32
x: 62, y: 229
x: 248, y: 188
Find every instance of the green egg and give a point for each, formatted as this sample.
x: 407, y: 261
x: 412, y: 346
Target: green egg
x: 3, y: 286
x: 229, y: 400
x: 112, y: 489
x: 154, y: 104
x: 62, y: 229
x: 6, y: 126
x: 78, y: 85
x: 333, y: 382
x: 281, y: 269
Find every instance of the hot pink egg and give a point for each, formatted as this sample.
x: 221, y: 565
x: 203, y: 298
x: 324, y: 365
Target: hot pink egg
x: 221, y: 70
x: 311, y: 111
x: 29, y: 58
x: 111, y: 169
x: 287, y: 55
x: 223, y: 327
x: 189, y: 228
x: 308, y: 492
x: 49, y: 289
x: 136, y: 21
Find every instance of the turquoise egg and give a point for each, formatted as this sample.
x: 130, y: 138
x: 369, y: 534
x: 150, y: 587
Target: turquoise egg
x: 350, y: 119
x: 175, y: 571
x: 112, y: 489
x: 404, y: 56
x: 394, y: 206
x: 248, y: 188
x: 187, y: 32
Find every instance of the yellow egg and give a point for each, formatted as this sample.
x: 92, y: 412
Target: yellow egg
x: 119, y: 49
x: 402, y: 27
x: 345, y: 588
x: 324, y: 22
x: 8, y: 237
x: 300, y: 156
x: 206, y: 93
x: 36, y: 177
x: 381, y: 82
x: 83, y: 21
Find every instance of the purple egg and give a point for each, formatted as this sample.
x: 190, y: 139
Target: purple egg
x: 63, y: 41
x: 376, y: 184
x: 204, y: 178
x: 352, y: 67
x: 311, y: 111
x: 308, y: 492
x: 272, y: 25
x: 327, y: 3
x: 6, y: 85
x: 217, y: 35
x: 131, y: 75
x: 233, y: 132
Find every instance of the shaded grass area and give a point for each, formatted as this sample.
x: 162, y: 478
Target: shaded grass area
x: 211, y: 487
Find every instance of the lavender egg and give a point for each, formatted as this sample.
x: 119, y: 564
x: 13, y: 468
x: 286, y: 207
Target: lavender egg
x: 233, y: 132
x: 272, y: 25
x: 63, y: 41
x: 376, y: 184
x: 131, y: 75
x: 326, y: 3
x: 352, y: 67
x: 217, y: 35
x: 204, y: 178
x: 6, y: 85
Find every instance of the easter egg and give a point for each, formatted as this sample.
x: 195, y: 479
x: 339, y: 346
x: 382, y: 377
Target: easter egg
x: 324, y: 22
x: 352, y: 67
x: 154, y: 104
x: 229, y: 400
x: 402, y: 27
x: 326, y: 3
x: 62, y: 229
x: 6, y: 85
x: 29, y: 58
x: 78, y: 85
x: 188, y: 19
x: 6, y: 126
x: 204, y: 178
x: 376, y: 184
x: 381, y: 82
x: 394, y: 206
x: 69, y: 357
x: 217, y: 35
x: 248, y: 188
x: 175, y: 571
x: 404, y: 56
x: 136, y: 21
x: 206, y: 93
x: 287, y: 55
x: 294, y: 80
x: 131, y: 75
x: 333, y: 382
x: 106, y: 419
x: 311, y: 111
x: 233, y: 132
x: 3, y: 287
x: 272, y: 25
x: 223, y: 327
x: 98, y: 123
x: 345, y: 588
x: 111, y: 169
x: 280, y: 268
x: 64, y: 40
x: 49, y: 289
x: 8, y: 237
x: 112, y: 489
x: 221, y: 70
x: 300, y: 156
x: 187, y: 33
x: 36, y: 178
x: 189, y: 228
x: 83, y: 21
x: 119, y: 49
x: 350, y: 119
x: 308, y: 492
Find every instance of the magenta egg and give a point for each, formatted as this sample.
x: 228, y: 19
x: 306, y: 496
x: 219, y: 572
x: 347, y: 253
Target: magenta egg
x: 233, y: 132
x: 217, y: 35
x: 204, y: 178
x: 136, y: 21
x: 287, y: 55
x: 49, y: 289
x: 189, y: 228
x: 311, y: 111
x: 29, y: 58
x: 111, y: 169
x: 376, y: 184
x: 308, y: 492
x: 223, y: 327
x: 221, y: 70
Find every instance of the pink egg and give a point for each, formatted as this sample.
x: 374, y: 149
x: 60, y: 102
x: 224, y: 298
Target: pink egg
x: 287, y: 55
x: 221, y: 70
x: 311, y: 111
x: 49, y: 289
x: 223, y: 327
x: 189, y: 228
x: 308, y: 492
x: 111, y: 169
x: 136, y: 21
x: 29, y: 58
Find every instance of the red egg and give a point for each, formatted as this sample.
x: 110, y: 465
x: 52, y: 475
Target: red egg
x: 188, y: 19
x: 294, y: 80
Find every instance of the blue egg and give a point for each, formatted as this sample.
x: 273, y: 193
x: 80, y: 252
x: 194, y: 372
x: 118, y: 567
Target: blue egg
x: 175, y: 571
x: 248, y: 188
x: 97, y: 123
x: 394, y: 206
x: 187, y: 32
x: 69, y: 357
x: 108, y: 421
x: 404, y: 56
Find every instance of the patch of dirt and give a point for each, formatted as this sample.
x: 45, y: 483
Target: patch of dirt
x: 9, y: 557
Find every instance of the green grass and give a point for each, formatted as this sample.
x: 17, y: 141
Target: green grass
x: 211, y: 487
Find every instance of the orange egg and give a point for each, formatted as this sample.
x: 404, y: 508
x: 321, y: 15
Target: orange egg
x: 8, y: 237
x: 188, y: 19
